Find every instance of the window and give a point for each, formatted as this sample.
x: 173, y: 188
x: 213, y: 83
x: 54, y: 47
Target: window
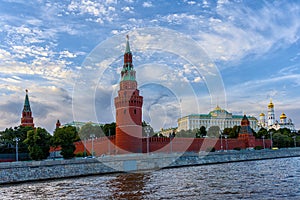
x: 134, y: 111
x: 124, y: 111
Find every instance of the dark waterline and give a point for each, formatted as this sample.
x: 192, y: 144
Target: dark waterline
x: 265, y: 179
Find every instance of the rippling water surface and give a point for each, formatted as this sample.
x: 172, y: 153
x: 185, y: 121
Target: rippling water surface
x: 267, y: 179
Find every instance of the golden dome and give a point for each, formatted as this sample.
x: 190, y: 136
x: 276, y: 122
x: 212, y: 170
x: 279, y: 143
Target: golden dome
x: 218, y: 108
x: 282, y: 116
x: 262, y: 114
x: 271, y: 105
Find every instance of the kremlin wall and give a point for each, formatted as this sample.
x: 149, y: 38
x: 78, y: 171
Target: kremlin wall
x: 128, y: 138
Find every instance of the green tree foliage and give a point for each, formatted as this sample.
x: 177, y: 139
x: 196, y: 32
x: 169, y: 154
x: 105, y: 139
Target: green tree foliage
x: 38, y: 142
x: 88, y: 129
x: 262, y: 132
x: 234, y: 133
x: 203, y: 131
x: 281, y: 140
x: 213, y: 132
x: 65, y: 138
x: 185, y: 134
x: 109, y: 128
x: 7, y: 139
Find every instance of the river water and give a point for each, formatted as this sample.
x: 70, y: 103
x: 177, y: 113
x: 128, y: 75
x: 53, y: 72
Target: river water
x: 266, y: 179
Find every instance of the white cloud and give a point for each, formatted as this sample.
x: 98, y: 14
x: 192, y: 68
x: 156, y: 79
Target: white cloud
x: 147, y: 4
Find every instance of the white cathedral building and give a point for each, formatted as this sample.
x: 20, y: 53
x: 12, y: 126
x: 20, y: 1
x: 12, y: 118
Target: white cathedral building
x: 272, y: 123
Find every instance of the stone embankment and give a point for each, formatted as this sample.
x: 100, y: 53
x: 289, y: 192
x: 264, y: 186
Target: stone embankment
x: 13, y: 172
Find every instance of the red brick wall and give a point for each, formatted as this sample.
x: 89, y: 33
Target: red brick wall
x: 102, y: 145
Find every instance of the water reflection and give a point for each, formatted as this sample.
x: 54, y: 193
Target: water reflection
x: 129, y: 186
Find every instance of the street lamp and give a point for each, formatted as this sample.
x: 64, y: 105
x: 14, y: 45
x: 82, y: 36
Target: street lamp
x: 271, y: 140
x: 92, y: 136
x: 16, y: 139
x: 294, y: 137
x: 221, y: 140
x: 147, y: 130
x: 263, y: 137
x: 226, y: 142
x: 109, y: 141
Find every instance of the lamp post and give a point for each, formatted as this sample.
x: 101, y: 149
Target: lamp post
x: 263, y: 138
x: 221, y: 140
x: 92, y: 136
x: 226, y: 142
x: 147, y: 130
x: 109, y: 141
x: 16, y: 139
x: 294, y: 137
x: 271, y: 140
x: 84, y: 146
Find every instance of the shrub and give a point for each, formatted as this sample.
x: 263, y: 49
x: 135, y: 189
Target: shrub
x: 79, y: 154
x: 237, y: 148
x: 258, y: 147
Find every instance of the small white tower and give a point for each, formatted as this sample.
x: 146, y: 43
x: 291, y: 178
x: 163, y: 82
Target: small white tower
x: 271, y: 114
x: 262, y: 120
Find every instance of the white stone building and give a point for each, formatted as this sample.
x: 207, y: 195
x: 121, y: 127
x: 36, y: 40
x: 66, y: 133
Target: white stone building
x: 272, y: 123
x: 217, y: 117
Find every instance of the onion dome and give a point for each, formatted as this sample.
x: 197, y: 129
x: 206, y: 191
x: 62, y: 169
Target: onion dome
x: 262, y: 114
x: 271, y: 105
x: 218, y: 108
x: 282, y: 116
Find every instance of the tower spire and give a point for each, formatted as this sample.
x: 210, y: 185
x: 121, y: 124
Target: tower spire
x: 128, y: 73
x: 127, y: 49
x: 27, y: 119
x: 26, y: 103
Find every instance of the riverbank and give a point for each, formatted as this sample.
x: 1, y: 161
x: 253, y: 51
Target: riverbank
x: 15, y: 172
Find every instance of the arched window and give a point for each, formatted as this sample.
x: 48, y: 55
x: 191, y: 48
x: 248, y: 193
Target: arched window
x: 134, y: 111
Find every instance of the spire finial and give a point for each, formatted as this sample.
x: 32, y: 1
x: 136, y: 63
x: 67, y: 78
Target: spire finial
x: 26, y: 91
x: 127, y: 49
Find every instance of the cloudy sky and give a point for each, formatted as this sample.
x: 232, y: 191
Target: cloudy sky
x: 189, y: 56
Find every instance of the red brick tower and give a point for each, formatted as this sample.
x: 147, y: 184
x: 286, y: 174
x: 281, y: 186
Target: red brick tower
x: 27, y: 119
x: 128, y: 105
x: 246, y: 134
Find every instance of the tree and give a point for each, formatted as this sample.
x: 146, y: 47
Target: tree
x: 9, y: 134
x: 234, y: 132
x: 262, y: 132
x: 202, y: 131
x: 213, y: 132
x: 109, y: 129
x: 281, y: 140
x: 88, y: 129
x: 38, y: 142
x: 65, y: 138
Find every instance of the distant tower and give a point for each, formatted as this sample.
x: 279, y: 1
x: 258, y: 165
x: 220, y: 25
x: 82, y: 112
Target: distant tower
x: 246, y: 134
x: 27, y: 119
x: 128, y: 105
x: 271, y: 114
x: 283, y: 118
x: 262, y: 120
x: 57, y: 125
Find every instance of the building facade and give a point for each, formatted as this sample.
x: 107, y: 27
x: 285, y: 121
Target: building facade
x: 218, y: 117
x: 128, y: 106
x: 27, y: 119
x: 272, y: 123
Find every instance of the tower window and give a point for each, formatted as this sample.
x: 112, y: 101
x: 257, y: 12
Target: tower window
x: 124, y: 111
x: 134, y: 111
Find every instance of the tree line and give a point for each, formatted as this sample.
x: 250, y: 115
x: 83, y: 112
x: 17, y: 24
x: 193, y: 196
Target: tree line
x: 37, y: 141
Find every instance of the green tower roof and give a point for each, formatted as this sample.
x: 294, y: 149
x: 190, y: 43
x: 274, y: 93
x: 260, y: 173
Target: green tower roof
x: 26, y: 103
